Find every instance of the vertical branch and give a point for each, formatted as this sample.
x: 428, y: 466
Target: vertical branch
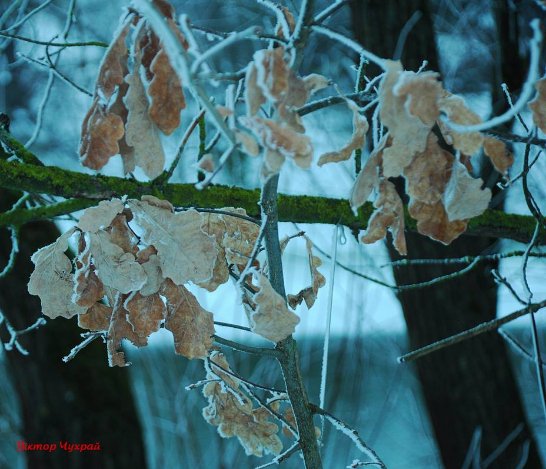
x: 288, y: 358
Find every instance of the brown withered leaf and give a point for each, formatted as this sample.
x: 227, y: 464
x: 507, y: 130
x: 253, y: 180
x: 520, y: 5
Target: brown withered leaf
x: 52, y: 279
x: 428, y: 173
x: 389, y: 215
x: 358, y: 138
x: 88, y: 288
x: 121, y: 329
x: 272, y: 319
x: 116, y: 268
x: 499, y: 154
x: 432, y: 221
x: 464, y: 198
x: 309, y: 294
x: 122, y: 234
x: 192, y: 325
x: 113, y: 66
x: 407, y: 104
x: 248, y: 143
x: 141, y: 132
x: 101, y: 216
x: 254, y: 98
x: 186, y: 252
x: 368, y: 178
x: 271, y: 73
x: 231, y: 410
x: 101, y: 131
x: 538, y: 104
x: 315, y: 82
x: 457, y: 111
x: 290, y: 21
x: 145, y: 313
x: 96, y: 318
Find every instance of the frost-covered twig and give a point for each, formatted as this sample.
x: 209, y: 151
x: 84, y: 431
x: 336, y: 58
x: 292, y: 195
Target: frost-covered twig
x: 246, y: 348
x: 55, y: 44
x: 281, y: 457
x: 404, y: 33
x: 88, y: 338
x: 351, y: 433
x: 351, y: 44
x: 329, y: 11
x: 281, y: 20
x: 526, y: 92
x: 233, y: 326
x: 13, y: 252
x: 14, y: 334
x: 469, y: 333
x: 313, y: 106
x: 25, y: 18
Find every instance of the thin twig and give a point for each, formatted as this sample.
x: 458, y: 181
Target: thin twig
x: 246, y: 348
x: 469, y: 333
x: 55, y: 44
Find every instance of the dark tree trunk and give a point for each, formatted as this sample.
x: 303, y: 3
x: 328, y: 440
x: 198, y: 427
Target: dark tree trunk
x: 469, y: 387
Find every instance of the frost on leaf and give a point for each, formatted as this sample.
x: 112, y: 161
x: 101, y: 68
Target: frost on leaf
x: 145, y: 313
x: 101, y: 131
x: 96, y: 318
x: 254, y: 97
x: 185, y: 251
x: 499, y: 154
x: 408, y: 108
x: 231, y: 410
x: 271, y: 73
x: 52, y: 279
x: 114, y: 63
x: 100, y: 216
x: 309, y: 294
x: 458, y: 112
x: 432, y: 221
x: 538, y: 105
x: 360, y: 127
x: 248, y: 143
x: 463, y: 197
x: 117, y: 268
x: 191, y: 325
x: 88, y: 288
x: 389, y: 214
x: 141, y: 132
x: 271, y: 319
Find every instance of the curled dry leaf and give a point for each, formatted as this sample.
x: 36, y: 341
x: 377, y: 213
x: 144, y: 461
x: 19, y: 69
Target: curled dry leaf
x: 88, y: 288
x: 248, y: 143
x: 315, y: 82
x: 499, y: 154
x: 96, y: 318
x: 191, y: 325
x: 463, y: 197
x: 389, y: 214
x: 432, y: 221
x: 101, y: 131
x: 457, y: 111
x: 141, y: 132
x: 408, y: 108
x: 271, y: 73
x: 538, y: 105
x: 231, y: 410
x: 145, y: 313
x: 360, y: 127
x: 113, y: 66
x: 52, y: 279
x: 309, y: 294
x: 186, y: 252
x: 254, y: 97
x: 271, y: 319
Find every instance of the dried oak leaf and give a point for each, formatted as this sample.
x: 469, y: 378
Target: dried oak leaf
x: 145, y: 313
x: 309, y: 294
x: 96, y: 318
x: 122, y: 234
x: 121, y: 329
x: 358, y: 138
x: 231, y: 411
x: 368, y: 178
x: 248, y: 143
x: 432, y: 221
x: 271, y: 319
x: 254, y: 97
x: 458, y: 112
x: 101, y: 130
x: 141, y: 132
x: 499, y: 154
x: 101, y: 216
x: 191, y: 325
x: 186, y: 252
x: 115, y: 267
x: 272, y: 73
x: 52, y: 279
x: 389, y: 214
x: 88, y: 288
x: 154, y: 276
x: 114, y: 63
x: 407, y: 107
x: 538, y: 105
x: 464, y: 198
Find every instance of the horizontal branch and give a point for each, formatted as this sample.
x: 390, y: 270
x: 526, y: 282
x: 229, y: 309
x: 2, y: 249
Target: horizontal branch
x: 81, y: 188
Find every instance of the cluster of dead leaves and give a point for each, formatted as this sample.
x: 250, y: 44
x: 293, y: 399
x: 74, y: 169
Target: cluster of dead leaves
x: 131, y: 285
x: 137, y: 96
x: 443, y: 194
x: 270, y: 81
